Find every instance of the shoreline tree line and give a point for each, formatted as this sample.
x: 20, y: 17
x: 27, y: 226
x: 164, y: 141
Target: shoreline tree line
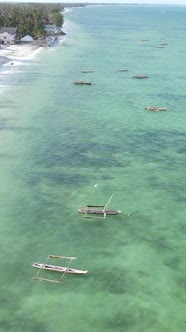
x: 31, y: 18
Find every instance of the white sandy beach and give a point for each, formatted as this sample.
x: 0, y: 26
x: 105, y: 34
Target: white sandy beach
x: 15, y: 53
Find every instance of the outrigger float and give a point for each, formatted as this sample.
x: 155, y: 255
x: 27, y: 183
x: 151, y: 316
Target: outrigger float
x: 98, y: 210
x: 54, y: 268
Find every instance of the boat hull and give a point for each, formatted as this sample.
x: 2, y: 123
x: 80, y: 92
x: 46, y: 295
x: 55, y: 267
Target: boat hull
x: 102, y: 212
x: 156, y: 109
x: 60, y: 269
x: 140, y: 76
x: 82, y: 83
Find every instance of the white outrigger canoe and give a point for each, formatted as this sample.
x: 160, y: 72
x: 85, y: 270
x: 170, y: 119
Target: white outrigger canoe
x: 55, y: 268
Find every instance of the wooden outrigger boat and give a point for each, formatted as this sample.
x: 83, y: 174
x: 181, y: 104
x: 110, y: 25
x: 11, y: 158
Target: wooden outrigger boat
x: 54, y: 268
x: 140, y: 76
x: 95, y: 211
x: 98, y: 210
x: 57, y: 268
x: 86, y: 71
x: 122, y: 70
x: 82, y: 83
x: 155, y: 109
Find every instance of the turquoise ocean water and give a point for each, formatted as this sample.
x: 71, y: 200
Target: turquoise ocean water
x: 64, y: 146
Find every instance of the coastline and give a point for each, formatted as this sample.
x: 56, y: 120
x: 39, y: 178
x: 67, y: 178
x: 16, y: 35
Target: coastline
x: 14, y: 53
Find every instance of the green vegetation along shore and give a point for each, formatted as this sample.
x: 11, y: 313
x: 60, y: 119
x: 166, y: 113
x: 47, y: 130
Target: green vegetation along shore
x: 31, y: 18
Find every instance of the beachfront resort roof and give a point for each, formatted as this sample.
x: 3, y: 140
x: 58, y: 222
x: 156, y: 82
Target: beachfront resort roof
x: 7, y: 35
x: 10, y: 31
x: 27, y: 38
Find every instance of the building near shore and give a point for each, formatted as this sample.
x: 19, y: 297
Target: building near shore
x: 27, y: 39
x: 8, y: 35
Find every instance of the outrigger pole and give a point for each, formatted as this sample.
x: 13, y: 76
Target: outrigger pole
x: 65, y: 257
x: 36, y: 276
x: 108, y: 201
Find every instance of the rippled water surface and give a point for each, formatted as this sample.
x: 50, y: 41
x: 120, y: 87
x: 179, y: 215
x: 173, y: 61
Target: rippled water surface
x: 63, y: 146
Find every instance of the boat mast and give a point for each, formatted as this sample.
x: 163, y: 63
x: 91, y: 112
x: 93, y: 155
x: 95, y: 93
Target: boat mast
x: 104, y: 210
x: 108, y: 202
x: 66, y: 269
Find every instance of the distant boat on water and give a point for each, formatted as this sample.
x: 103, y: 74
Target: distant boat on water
x: 155, y: 109
x: 86, y: 71
x: 82, y: 83
x: 140, y: 76
x: 124, y: 70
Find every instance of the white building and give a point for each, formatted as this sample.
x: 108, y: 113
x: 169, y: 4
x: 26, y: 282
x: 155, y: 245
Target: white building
x: 27, y: 39
x: 8, y: 35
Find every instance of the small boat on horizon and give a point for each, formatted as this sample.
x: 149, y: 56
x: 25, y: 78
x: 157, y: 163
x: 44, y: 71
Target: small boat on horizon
x: 140, y: 76
x: 155, y: 109
x: 82, y: 83
x: 124, y: 70
x: 86, y: 71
